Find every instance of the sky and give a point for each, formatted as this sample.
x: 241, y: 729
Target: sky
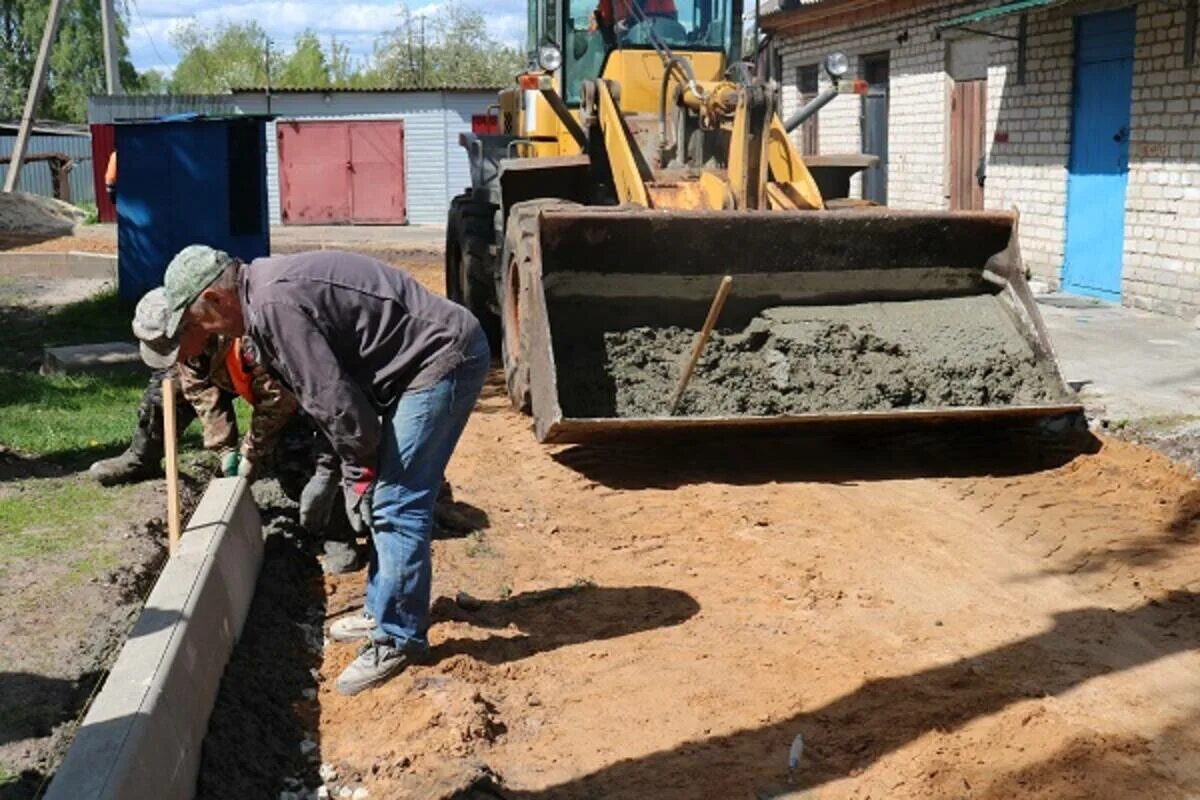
x: 355, y: 23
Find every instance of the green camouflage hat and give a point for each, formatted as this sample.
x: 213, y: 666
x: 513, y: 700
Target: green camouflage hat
x: 159, y: 351
x: 190, y: 273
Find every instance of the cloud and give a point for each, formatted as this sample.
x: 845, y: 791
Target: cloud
x: 355, y: 23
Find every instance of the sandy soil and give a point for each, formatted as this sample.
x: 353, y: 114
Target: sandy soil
x: 82, y: 242
x: 965, y: 614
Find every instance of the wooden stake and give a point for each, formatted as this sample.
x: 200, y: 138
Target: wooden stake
x: 171, y: 442
x: 37, y: 85
x: 714, y: 311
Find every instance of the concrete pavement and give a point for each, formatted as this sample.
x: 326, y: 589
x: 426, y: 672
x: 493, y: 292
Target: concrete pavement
x: 431, y: 238
x: 1128, y: 364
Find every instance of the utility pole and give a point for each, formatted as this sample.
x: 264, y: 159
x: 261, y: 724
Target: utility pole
x: 422, y: 50
x: 37, y: 84
x: 267, y: 48
x: 112, y: 75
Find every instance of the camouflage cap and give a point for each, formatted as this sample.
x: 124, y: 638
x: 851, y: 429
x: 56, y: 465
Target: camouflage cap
x: 190, y: 272
x: 159, y: 351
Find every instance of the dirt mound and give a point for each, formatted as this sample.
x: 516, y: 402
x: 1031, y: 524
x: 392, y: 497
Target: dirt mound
x: 968, y: 614
x: 31, y: 216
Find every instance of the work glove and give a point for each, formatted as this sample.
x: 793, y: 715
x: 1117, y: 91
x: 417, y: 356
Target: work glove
x: 247, y: 469
x: 359, y: 497
x: 230, y: 461
x: 317, y: 499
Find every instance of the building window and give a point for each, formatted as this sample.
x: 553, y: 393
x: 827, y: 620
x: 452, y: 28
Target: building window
x: 808, y: 82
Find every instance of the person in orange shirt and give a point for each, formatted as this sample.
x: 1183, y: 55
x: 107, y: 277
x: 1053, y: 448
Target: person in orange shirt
x: 110, y: 177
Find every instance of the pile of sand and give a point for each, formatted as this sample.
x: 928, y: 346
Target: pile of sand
x: 31, y: 216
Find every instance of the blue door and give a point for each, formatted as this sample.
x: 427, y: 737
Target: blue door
x: 1099, y: 165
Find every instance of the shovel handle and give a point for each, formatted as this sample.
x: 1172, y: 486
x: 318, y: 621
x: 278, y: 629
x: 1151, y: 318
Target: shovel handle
x: 171, y: 445
x: 714, y: 311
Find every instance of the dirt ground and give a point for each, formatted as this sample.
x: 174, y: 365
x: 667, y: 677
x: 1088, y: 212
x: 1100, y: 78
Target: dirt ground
x: 964, y: 614
x: 64, y: 620
x: 85, y: 240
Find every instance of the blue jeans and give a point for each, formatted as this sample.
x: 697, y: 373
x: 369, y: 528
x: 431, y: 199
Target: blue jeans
x: 419, y: 437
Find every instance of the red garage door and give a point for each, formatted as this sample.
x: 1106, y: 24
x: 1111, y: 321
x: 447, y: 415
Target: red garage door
x: 341, y: 172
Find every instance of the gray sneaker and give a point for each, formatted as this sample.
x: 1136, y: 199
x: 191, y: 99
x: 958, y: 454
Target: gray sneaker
x: 376, y: 663
x: 352, y: 628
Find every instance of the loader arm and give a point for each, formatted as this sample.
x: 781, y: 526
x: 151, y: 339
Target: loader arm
x: 763, y: 169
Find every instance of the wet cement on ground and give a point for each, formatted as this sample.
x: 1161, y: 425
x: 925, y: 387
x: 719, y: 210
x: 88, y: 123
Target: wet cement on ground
x: 955, y: 352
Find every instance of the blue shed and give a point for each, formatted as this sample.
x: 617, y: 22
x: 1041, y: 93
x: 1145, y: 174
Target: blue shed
x: 186, y: 180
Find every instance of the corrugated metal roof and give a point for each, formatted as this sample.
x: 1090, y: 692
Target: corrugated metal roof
x: 358, y: 90
x: 105, y: 108
x: 46, y: 128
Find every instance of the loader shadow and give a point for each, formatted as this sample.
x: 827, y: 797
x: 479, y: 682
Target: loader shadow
x: 552, y: 618
x: 944, y: 452
x: 852, y: 732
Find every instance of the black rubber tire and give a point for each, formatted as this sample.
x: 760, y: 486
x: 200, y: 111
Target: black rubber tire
x: 469, y: 268
x: 520, y: 260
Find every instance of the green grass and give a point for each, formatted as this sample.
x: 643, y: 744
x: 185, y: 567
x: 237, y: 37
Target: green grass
x: 91, y: 214
x: 65, y: 416
x: 48, y: 517
x: 68, y: 419
x: 99, y: 318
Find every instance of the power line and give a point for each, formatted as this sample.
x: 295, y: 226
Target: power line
x: 146, y: 30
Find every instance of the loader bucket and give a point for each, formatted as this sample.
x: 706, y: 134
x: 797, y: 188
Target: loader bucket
x: 835, y: 319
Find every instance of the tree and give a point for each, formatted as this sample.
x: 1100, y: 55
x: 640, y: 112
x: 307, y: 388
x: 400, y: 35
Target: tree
x: 306, y: 65
x: 151, y: 81
x: 215, y: 61
x: 450, y: 49
x: 76, y: 60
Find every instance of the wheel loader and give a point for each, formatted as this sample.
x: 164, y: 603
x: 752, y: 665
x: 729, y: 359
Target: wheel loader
x: 639, y: 162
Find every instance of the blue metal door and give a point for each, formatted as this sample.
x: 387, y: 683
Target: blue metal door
x: 1099, y: 164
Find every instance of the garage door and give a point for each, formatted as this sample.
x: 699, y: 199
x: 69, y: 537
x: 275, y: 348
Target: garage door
x: 341, y: 172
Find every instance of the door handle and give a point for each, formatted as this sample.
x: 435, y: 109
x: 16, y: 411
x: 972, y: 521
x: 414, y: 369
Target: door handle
x: 1120, y: 135
x: 350, y: 166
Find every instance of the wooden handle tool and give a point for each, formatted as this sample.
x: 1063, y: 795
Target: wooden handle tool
x: 171, y: 442
x: 714, y: 311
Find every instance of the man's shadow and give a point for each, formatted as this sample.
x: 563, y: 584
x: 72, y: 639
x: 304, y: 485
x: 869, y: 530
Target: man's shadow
x: 552, y: 618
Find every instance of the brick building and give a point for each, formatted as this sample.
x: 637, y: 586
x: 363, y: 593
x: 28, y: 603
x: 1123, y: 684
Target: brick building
x: 1083, y: 115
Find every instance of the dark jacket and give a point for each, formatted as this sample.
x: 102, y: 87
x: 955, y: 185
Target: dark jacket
x: 349, y: 335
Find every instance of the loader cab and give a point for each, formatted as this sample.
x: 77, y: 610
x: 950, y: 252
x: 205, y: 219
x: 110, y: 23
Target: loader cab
x: 624, y: 49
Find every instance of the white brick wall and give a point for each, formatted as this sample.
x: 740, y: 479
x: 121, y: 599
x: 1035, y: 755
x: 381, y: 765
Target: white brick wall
x: 1029, y: 171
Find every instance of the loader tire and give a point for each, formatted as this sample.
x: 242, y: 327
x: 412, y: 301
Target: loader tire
x: 520, y: 262
x: 469, y: 273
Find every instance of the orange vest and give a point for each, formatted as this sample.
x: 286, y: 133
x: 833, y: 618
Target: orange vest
x: 238, y: 375
x: 110, y: 174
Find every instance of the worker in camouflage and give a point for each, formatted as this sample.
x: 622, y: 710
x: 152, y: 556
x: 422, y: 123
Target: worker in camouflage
x: 228, y: 367
x: 208, y: 383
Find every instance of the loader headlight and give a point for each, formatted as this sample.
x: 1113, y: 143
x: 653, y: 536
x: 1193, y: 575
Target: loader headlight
x: 837, y: 64
x: 549, y: 57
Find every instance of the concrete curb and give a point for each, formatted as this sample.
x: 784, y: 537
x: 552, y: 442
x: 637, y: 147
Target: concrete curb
x: 59, y: 265
x: 142, y: 736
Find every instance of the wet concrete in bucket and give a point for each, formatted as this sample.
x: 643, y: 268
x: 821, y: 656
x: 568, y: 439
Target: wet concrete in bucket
x: 955, y: 352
